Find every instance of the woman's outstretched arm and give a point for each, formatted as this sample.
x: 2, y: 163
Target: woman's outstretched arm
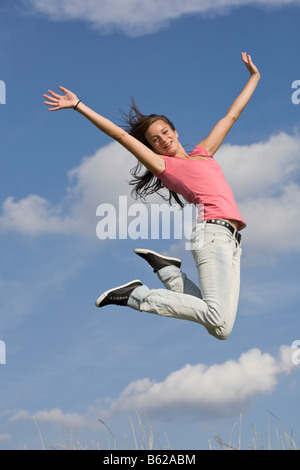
x: 215, y: 138
x: 152, y: 161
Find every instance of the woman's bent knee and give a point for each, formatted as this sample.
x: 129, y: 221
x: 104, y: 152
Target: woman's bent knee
x: 215, y: 318
x: 220, y: 333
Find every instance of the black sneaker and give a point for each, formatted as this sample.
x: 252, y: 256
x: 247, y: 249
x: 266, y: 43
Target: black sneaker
x: 117, y: 295
x: 156, y: 260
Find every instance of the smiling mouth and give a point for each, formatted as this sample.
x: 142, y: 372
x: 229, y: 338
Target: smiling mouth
x: 168, y: 145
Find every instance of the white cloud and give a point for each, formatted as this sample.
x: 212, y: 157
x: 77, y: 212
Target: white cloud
x: 261, y: 168
x: 54, y: 416
x: 264, y: 177
x: 5, y: 437
x: 139, y: 17
x: 99, y: 179
x: 33, y: 215
x: 273, y: 222
x: 194, y: 392
x: 205, y: 392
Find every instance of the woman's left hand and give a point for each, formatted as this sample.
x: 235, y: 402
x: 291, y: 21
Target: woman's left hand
x: 249, y: 64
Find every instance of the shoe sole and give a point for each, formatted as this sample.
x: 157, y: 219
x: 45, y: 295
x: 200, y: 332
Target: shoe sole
x: 102, y: 296
x: 145, y: 252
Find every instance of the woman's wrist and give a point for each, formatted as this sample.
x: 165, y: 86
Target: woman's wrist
x: 256, y: 75
x: 76, y: 105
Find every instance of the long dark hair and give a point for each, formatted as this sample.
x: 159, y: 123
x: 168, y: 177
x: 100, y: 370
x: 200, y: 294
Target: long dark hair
x: 137, y: 124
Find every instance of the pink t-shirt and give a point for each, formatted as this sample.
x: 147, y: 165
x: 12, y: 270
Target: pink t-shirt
x: 202, y: 182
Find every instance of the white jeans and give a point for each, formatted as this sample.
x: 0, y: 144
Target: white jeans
x: 214, y: 303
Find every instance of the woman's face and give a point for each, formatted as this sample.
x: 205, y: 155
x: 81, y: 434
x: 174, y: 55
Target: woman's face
x: 162, y: 138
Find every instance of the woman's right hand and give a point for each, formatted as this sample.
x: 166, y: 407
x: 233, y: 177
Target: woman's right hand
x: 68, y: 100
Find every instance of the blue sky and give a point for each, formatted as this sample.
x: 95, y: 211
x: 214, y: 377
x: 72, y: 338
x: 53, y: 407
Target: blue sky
x: 69, y: 364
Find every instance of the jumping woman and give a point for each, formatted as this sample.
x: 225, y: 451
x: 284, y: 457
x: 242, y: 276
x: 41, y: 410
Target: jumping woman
x: 198, y: 178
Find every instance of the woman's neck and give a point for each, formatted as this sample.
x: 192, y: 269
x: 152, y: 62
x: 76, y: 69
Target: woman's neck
x: 181, y: 152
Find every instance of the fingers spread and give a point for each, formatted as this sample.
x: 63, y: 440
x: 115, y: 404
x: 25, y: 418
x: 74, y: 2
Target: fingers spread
x: 53, y: 94
x: 48, y: 97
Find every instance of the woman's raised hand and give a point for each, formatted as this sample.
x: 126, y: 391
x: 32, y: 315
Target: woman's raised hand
x: 249, y: 64
x: 68, y: 100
